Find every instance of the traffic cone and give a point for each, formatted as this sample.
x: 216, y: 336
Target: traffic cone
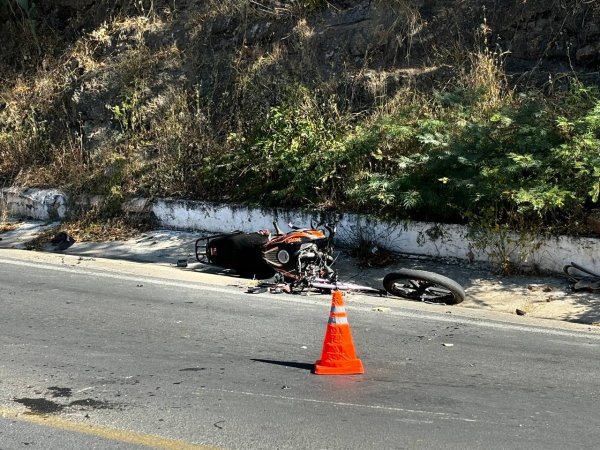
x: 338, y: 356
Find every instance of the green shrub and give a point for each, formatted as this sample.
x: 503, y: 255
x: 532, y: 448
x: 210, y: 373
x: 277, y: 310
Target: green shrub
x: 522, y: 162
x: 526, y: 162
x: 293, y: 157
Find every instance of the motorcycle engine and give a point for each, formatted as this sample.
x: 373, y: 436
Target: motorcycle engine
x: 293, y: 260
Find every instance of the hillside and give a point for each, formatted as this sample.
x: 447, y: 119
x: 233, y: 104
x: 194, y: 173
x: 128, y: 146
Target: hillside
x: 449, y: 110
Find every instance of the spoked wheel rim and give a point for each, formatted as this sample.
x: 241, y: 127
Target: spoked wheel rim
x: 420, y: 290
x: 423, y: 286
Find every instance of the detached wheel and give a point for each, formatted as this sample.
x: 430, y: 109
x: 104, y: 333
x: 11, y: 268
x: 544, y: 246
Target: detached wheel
x: 423, y: 286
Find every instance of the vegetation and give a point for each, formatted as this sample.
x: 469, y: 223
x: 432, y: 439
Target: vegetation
x: 526, y: 161
x: 473, y: 149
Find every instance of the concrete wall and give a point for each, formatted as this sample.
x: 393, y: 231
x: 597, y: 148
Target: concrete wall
x: 40, y: 204
x: 417, y: 238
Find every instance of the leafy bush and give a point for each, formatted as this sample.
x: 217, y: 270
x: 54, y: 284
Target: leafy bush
x: 522, y: 163
x: 293, y: 157
x: 525, y: 162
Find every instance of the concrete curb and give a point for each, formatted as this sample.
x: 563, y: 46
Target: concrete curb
x: 418, y: 238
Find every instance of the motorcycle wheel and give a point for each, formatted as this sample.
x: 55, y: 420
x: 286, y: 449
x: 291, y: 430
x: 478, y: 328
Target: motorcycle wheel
x: 424, y: 286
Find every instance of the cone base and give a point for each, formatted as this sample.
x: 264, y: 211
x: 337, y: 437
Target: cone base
x: 353, y: 367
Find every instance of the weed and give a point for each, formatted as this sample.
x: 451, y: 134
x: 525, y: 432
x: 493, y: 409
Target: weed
x: 509, y: 252
x: 4, y: 226
x: 96, y: 225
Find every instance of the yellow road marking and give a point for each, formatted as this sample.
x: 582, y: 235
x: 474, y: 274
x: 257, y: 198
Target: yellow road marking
x: 115, y: 434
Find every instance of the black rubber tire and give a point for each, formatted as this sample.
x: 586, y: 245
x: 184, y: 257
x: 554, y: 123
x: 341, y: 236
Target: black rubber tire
x: 423, y: 286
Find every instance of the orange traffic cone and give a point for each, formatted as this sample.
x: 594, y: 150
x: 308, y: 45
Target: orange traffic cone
x: 338, y: 356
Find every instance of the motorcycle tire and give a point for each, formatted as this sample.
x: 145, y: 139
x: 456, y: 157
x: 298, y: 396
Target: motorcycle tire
x: 424, y: 286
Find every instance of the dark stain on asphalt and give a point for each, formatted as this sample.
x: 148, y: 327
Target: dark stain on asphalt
x: 60, y: 391
x: 40, y: 405
x: 43, y: 406
x: 92, y: 403
x: 192, y: 369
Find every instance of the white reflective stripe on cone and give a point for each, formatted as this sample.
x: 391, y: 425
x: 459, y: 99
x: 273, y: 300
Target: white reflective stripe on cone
x: 338, y: 320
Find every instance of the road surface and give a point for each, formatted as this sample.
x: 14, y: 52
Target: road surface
x: 98, y: 359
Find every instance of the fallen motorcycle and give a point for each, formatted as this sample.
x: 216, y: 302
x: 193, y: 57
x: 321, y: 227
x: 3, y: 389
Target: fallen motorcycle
x: 303, y: 258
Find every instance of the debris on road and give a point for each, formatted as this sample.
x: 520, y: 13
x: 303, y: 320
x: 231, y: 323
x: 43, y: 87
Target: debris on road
x: 62, y: 241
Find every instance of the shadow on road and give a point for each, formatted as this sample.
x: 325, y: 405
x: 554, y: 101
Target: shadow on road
x: 297, y: 365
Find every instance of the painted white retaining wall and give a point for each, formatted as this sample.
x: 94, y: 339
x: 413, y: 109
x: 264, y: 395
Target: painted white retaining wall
x: 417, y: 238
x: 39, y: 204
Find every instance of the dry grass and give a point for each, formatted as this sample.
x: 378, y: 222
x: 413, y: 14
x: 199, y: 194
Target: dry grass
x: 405, y: 29
x: 39, y: 146
x: 486, y: 70
x: 274, y: 9
x: 5, y: 226
x: 90, y: 226
x: 486, y: 74
x: 91, y: 229
x: 216, y: 8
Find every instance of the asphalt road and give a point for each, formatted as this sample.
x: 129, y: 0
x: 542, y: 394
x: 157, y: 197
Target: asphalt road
x: 94, y: 359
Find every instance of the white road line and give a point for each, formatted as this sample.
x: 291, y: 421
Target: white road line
x: 437, y: 415
x: 441, y: 317
x: 103, y: 274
